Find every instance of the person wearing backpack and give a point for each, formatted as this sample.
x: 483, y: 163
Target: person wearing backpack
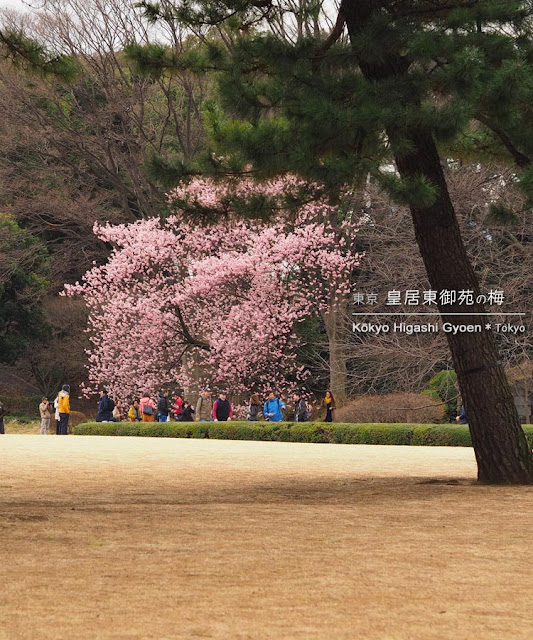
x: 300, y: 408
x: 204, y: 407
x: 272, y: 408
x: 254, y: 408
x: 147, y: 407
x: 105, y: 407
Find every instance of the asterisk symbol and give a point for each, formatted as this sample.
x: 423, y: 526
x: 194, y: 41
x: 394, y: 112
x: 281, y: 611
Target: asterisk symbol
x: 488, y: 326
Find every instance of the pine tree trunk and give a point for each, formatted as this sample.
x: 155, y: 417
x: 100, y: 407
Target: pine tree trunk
x: 502, y: 452
x: 335, y: 324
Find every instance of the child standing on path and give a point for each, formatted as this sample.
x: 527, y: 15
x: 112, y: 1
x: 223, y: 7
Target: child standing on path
x: 44, y: 411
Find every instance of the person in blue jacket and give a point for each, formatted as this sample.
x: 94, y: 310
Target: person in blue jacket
x: 461, y: 418
x: 272, y: 408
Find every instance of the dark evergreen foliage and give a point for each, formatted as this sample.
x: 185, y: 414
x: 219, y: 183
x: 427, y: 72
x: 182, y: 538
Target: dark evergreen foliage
x: 31, y: 55
x: 24, y: 266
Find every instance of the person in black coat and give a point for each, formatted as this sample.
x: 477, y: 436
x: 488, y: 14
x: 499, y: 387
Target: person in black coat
x: 2, y: 414
x: 300, y: 408
x: 187, y: 412
x: 105, y: 408
x: 329, y: 404
x: 163, y: 410
x: 222, y: 409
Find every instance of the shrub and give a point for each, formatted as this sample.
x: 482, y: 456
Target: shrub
x: 76, y: 417
x: 96, y: 429
x: 452, y: 435
x: 449, y: 435
x: 443, y: 386
x: 393, y: 407
x: 399, y: 434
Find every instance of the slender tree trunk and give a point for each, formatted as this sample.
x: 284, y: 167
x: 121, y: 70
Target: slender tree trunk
x: 502, y: 452
x: 335, y: 324
x: 527, y: 406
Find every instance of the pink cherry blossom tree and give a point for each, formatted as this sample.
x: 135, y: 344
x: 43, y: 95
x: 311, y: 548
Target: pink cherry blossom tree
x: 301, y: 204
x: 179, y: 301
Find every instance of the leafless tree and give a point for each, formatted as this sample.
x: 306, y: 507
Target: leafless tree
x: 501, y: 250
x: 78, y: 151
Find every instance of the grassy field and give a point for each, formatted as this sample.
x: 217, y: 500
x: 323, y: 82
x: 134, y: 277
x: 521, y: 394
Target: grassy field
x: 136, y: 538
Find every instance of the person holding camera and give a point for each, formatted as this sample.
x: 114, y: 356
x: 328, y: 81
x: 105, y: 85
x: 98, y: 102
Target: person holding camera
x: 44, y: 412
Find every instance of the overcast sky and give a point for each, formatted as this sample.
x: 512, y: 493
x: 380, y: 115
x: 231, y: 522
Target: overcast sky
x: 17, y: 4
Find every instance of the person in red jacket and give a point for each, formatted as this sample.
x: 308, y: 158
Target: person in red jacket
x: 178, y: 405
x: 222, y: 409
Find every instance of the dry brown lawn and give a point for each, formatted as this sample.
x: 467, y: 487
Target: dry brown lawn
x: 130, y: 538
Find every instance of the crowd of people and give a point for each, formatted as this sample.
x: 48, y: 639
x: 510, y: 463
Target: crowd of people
x: 209, y: 407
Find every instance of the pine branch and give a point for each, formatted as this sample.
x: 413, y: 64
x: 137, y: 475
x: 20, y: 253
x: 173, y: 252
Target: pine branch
x: 335, y: 34
x: 34, y: 55
x: 153, y: 12
x: 520, y: 159
x: 432, y: 9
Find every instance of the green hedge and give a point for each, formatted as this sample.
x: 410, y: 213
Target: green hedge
x: 451, y: 435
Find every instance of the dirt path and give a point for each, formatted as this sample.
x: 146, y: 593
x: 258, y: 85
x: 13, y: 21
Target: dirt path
x: 159, y: 538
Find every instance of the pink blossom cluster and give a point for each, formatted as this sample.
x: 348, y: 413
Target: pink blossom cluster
x: 180, y: 303
x: 206, y: 193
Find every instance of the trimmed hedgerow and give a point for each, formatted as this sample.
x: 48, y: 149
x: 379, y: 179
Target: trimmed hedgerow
x: 444, y: 435
x: 453, y: 435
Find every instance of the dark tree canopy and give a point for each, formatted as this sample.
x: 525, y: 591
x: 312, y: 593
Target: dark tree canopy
x: 24, y: 267
x: 304, y: 105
